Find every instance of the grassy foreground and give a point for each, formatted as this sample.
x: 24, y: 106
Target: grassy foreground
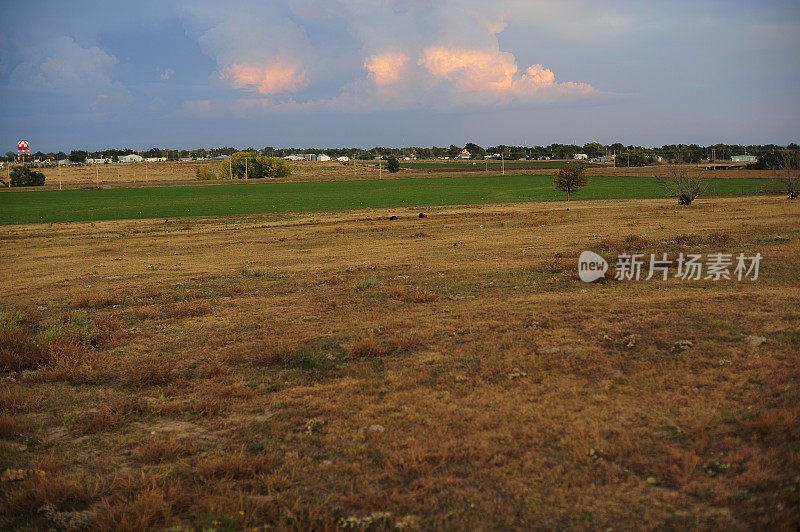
x: 446, y: 373
x: 259, y: 197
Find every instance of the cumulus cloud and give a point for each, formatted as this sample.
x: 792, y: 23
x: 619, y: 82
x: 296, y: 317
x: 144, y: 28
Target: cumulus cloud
x: 438, y: 54
x: 64, y: 66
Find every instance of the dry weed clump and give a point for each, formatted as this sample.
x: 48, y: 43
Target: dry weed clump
x: 236, y: 466
x: 422, y: 296
x: 20, y: 351
x: 187, y: 309
x: 396, y: 292
x: 165, y: 448
x: 95, y: 300
x: 685, y: 239
x: 11, y: 427
x: 276, y: 351
x: 73, y: 361
x: 405, y: 341
x: 145, y: 313
x: 25, y: 498
x: 17, y: 400
x: 720, y: 239
x: 148, y: 372
x: 366, y: 347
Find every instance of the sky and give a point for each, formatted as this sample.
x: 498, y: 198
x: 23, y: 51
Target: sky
x: 341, y: 73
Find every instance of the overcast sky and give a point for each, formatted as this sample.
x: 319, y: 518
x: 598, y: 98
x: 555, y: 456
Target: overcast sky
x: 331, y: 73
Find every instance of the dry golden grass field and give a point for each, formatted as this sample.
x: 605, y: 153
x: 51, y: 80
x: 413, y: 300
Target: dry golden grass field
x: 181, y: 173
x: 444, y: 373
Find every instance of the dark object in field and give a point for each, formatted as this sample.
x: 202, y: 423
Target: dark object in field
x: 393, y: 218
x: 423, y: 215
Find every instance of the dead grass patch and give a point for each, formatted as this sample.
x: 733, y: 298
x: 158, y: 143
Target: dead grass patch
x: 165, y: 448
x: 145, y: 313
x: 11, y: 427
x: 17, y: 400
x: 148, y: 372
x: 422, y: 296
x: 236, y: 466
x: 396, y: 292
x: 405, y: 341
x: 95, y: 300
x: 366, y: 347
x: 28, y: 496
x: 187, y: 309
x: 20, y: 351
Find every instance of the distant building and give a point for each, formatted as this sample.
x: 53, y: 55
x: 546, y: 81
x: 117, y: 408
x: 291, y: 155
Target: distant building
x: 343, y: 159
x: 464, y: 154
x: 323, y: 158
x: 743, y: 158
x: 132, y: 158
x: 156, y: 159
x: 580, y: 157
x: 102, y: 160
x: 64, y: 162
x: 294, y: 158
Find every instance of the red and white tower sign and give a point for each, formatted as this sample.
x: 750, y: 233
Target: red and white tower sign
x: 23, y: 149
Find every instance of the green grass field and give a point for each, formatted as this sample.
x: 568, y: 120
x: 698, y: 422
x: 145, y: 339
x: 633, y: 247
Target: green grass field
x: 32, y: 206
x: 430, y: 165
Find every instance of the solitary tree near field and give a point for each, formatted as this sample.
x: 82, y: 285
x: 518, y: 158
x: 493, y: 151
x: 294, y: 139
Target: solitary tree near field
x: 23, y: 176
x: 789, y: 168
x: 685, y: 187
x: 393, y: 165
x: 570, y: 178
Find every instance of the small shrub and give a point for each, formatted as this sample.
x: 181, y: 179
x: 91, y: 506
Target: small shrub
x: 202, y: 172
x: 393, y: 165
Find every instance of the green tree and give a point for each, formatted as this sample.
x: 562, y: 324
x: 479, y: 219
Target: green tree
x: 474, y: 149
x: 393, y: 165
x: 78, y: 156
x: 23, y: 176
x: 570, y: 178
x: 634, y: 157
x: 255, y: 166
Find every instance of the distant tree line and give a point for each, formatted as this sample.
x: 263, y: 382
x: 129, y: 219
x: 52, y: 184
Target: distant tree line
x: 627, y: 155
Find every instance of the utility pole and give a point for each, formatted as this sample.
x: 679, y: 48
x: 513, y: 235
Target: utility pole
x: 503, y: 160
x: 146, y: 172
x: 59, y: 177
x: 245, y: 170
x: 97, y: 174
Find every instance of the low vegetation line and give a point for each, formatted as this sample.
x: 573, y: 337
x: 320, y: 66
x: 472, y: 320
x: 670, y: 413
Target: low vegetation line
x: 263, y: 197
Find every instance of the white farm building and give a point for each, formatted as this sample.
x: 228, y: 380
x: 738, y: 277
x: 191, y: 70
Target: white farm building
x: 132, y: 158
x: 580, y: 157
